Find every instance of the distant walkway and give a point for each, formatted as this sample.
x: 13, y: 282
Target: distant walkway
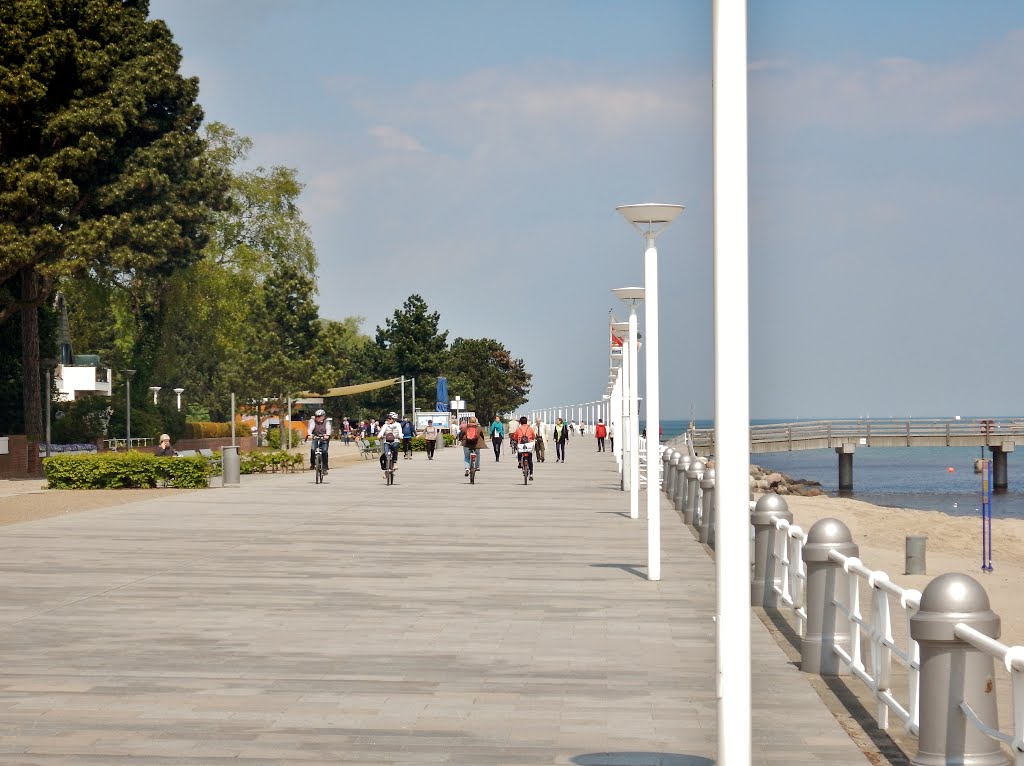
x: 354, y: 623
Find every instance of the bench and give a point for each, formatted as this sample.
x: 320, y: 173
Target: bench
x: 368, y: 450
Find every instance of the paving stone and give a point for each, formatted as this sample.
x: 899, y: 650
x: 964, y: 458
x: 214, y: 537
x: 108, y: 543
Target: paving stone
x: 283, y: 622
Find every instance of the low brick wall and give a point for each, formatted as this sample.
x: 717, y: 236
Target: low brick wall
x: 22, y: 459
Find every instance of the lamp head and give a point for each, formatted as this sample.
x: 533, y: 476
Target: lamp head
x: 629, y: 294
x: 650, y: 218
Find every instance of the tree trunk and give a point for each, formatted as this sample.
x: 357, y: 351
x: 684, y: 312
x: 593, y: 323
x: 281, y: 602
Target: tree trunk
x: 32, y: 386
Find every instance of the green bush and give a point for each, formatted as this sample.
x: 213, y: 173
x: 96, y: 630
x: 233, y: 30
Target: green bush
x: 206, y: 430
x: 118, y: 470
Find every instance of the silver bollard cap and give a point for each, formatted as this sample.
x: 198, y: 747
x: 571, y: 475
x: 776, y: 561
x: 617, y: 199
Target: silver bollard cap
x: 949, y: 599
x: 676, y: 457
x: 827, y: 535
x: 708, y: 481
x: 769, y: 505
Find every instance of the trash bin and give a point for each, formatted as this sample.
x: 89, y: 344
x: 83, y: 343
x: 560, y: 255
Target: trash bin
x: 230, y: 467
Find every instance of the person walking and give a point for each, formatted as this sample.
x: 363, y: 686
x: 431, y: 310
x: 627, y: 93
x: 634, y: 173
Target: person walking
x: 600, y: 432
x: 430, y: 438
x: 497, y: 433
x: 611, y: 436
x: 408, y: 431
x: 346, y: 431
x: 539, y: 430
x: 561, y: 437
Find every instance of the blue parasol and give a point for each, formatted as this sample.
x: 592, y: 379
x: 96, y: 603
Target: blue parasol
x: 442, y: 394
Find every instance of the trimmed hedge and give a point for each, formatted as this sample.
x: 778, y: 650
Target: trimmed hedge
x: 119, y: 470
x: 207, y: 430
x: 419, y: 444
x: 258, y: 462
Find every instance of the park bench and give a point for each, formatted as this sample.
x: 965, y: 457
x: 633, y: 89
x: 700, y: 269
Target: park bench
x: 368, y: 450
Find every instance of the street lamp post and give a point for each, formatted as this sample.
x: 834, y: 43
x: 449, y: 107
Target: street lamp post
x: 179, y: 392
x: 651, y: 220
x: 128, y: 407
x: 154, y: 390
x: 628, y: 373
x: 633, y: 296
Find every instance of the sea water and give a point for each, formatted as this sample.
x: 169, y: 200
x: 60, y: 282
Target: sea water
x: 901, y: 477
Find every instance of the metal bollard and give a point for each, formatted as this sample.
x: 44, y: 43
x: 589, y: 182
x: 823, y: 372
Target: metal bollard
x: 666, y: 461
x: 827, y: 627
x: 706, y: 530
x: 952, y: 670
x: 762, y: 587
x: 915, y: 555
x: 669, y: 474
x: 229, y: 467
x: 679, y: 488
x: 693, y: 476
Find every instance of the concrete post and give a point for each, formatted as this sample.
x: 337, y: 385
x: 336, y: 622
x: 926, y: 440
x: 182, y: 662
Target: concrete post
x: 762, y: 587
x: 666, y: 460
x: 229, y: 466
x: 953, y: 670
x: 914, y: 558
x: 827, y: 627
x: 845, y: 453
x: 1000, y: 477
x: 693, y: 477
x: 679, y: 486
x: 706, y: 530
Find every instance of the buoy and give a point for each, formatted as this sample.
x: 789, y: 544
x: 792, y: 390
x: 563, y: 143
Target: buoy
x: 950, y: 469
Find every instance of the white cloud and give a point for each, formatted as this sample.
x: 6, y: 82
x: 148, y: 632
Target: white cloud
x: 391, y: 138
x: 895, y: 94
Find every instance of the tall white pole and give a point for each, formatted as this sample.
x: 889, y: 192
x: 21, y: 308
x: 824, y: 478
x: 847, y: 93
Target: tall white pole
x: 628, y: 425
x: 732, y: 380
x: 633, y: 435
x: 653, y: 419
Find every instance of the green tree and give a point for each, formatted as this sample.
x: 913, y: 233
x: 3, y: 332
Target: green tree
x: 487, y: 376
x: 101, y: 161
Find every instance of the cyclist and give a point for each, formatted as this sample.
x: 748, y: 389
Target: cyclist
x: 389, y: 436
x: 472, y: 436
x: 318, y: 427
x: 525, y: 433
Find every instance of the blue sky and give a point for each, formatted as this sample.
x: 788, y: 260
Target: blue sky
x: 479, y: 149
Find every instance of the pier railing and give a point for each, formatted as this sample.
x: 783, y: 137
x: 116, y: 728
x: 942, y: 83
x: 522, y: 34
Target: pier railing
x: 946, y: 646
x: 820, y: 434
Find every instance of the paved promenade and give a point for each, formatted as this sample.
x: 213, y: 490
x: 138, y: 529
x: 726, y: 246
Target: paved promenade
x: 431, y: 622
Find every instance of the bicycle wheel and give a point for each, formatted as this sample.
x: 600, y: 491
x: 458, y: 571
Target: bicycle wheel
x: 472, y: 469
x: 391, y: 468
x: 526, y: 470
x: 319, y: 467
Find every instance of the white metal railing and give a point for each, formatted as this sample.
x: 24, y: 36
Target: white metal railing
x: 116, y: 444
x: 641, y: 451
x: 1012, y: 658
x: 877, y: 630
x: 787, y: 548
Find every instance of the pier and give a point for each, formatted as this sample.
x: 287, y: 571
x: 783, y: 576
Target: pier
x: 999, y: 436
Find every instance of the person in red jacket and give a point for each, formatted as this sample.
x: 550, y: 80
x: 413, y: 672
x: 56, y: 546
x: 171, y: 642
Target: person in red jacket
x: 600, y: 432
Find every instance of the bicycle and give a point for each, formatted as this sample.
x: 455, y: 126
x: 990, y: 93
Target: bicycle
x: 318, y: 458
x: 389, y: 462
x: 472, y: 466
x: 525, y: 450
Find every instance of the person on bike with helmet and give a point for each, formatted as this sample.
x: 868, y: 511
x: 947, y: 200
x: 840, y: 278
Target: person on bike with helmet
x: 318, y: 427
x: 389, y: 437
x: 522, y: 435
